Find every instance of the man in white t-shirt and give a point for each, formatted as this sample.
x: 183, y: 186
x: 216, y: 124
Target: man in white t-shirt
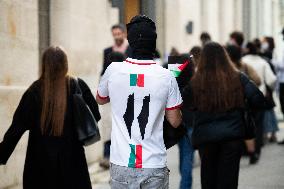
x: 141, y: 93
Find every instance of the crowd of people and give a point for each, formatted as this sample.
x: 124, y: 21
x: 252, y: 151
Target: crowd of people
x: 254, y: 59
x: 220, y: 102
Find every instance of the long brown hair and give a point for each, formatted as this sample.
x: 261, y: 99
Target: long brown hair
x: 216, y: 84
x: 54, y: 90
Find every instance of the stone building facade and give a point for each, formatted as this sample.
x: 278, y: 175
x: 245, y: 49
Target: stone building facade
x: 83, y: 29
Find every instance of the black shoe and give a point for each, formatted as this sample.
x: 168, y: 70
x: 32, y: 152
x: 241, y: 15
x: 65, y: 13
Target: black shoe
x: 281, y: 142
x: 272, y: 139
x: 104, y: 163
x: 253, y: 158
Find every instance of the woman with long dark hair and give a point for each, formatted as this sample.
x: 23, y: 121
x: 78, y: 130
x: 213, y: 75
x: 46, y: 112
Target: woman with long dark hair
x: 216, y: 94
x: 55, y: 158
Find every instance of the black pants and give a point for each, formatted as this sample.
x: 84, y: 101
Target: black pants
x: 259, y: 123
x: 107, y: 149
x: 281, y: 96
x: 220, y: 165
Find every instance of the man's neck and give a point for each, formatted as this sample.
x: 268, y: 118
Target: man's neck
x: 142, y: 55
x: 120, y: 48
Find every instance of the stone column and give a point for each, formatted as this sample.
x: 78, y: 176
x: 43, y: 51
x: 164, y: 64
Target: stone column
x: 160, y: 25
x: 238, y: 16
x: 226, y: 19
x: 210, y: 11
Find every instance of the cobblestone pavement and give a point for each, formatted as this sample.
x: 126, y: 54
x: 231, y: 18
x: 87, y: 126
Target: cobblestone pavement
x: 267, y: 174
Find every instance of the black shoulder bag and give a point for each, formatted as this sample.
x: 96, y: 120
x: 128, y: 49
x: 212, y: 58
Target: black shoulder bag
x: 173, y: 135
x: 85, y: 123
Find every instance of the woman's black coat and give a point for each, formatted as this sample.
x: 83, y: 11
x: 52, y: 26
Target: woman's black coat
x: 221, y: 126
x: 51, y: 162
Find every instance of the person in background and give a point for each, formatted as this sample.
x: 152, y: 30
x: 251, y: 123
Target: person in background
x: 174, y: 52
x: 205, y: 38
x: 279, y: 66
x: 186, y: 151
x: 265, y: 48
x: 140, y: 93
x: 55, y: 157
x: 195, y: 51
x: 261, y: 67
x: 117, y: 57
x: 267, y: 78
x: 120, y: 46
x: 235, y: 54
x: 216, y: 94
x: 237, y: 38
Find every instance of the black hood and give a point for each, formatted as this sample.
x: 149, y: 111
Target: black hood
x: 141, y: 35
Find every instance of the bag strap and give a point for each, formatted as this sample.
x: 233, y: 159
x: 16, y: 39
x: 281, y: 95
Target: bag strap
x: 77, y: 86
x: 244, y: 80
x: 246, y: 70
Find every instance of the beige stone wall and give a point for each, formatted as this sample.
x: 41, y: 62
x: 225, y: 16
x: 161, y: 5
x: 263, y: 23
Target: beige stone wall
x: 83, y: 29
x: 18, y: 68
x: 217, y: 17
x: 177, y: 15
x: 18, y: 42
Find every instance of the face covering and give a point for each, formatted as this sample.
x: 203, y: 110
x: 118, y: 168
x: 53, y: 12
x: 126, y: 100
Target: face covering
x: 232, y: 42
x: 264, y: 46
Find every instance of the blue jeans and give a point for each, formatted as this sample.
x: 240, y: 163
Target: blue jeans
x: 186, y: 156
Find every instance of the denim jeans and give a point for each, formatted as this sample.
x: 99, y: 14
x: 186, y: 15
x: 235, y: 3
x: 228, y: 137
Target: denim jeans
x: 107, y: 149
x: 186, y: 156
x: 133, y: 178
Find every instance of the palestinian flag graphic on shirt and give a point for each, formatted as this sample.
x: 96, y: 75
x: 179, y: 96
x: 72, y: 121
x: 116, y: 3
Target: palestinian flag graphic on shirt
x: 135, y: 158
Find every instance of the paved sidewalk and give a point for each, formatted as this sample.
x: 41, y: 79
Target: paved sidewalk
x: 267, y: 174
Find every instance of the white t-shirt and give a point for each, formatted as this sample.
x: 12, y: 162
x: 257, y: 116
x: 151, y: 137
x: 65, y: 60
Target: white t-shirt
x: 140, y: 91
x: 263, y: 70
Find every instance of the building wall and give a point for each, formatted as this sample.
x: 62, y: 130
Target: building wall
x: 265, y: 20
x: 18, y: 68
x: 256, y: 18
x: 81, y: 27
x: 177, y: 14
x: 217, y: 17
